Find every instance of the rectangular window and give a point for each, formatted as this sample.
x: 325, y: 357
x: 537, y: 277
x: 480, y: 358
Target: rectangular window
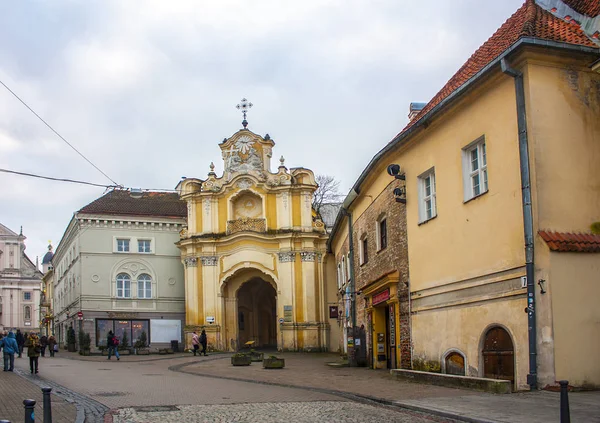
x: 349, y: 264
x: 144, y: 288
x: 382, y: 234
x: 26, y: 296
x: 123, y: 288
x: 129, y: 329
x: 364, y: 251
x: 144, y: 245
x: 427, y: 198
x: 122, y: 245
x: 475, y: 178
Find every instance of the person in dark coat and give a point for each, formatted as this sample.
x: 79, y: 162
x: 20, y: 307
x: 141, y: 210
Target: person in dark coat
x: 112, y: 343
x: 33, y: 351
x: 43, y: 345
x: 51, y: 344
x: 203, y: 342
x: 9, y: 348
x: 20, y: 342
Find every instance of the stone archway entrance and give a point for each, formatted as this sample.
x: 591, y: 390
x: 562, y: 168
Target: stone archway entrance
x: 257, y: 313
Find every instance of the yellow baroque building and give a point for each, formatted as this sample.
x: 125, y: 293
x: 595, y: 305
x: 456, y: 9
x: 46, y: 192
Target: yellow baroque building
x: 253, y: 252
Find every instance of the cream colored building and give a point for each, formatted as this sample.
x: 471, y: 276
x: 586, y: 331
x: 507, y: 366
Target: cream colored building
x: 501, y: 184
x: 20, y: 284
x: 117, y: 265
x: 254, y: 253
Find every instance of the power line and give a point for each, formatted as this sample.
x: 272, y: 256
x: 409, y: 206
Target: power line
x: 57, y: 179
x: 53, y: 130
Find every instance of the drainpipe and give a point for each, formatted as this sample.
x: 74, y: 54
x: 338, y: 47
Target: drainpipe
x: 345, y: 209
x: 527, y: 218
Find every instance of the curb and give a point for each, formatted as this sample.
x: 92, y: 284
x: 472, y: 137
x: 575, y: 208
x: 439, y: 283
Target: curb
x: 365, y: 399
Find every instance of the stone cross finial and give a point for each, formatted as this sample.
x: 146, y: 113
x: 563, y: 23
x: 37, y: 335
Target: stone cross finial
x: 244, y: 106
x: 282, y: 161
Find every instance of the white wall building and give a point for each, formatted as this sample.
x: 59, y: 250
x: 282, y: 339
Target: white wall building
x: 20, y: 284
x: 117, y: 268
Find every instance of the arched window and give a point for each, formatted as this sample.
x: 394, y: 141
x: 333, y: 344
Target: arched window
x: 123, y: 285
x: 455, y: 364
x: 144, y: 286
x: 27, y: 313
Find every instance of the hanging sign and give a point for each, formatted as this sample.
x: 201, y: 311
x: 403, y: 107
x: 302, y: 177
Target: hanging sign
x: 381, y: 296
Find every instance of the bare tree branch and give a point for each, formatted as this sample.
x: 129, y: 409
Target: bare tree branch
x: 328, y: 192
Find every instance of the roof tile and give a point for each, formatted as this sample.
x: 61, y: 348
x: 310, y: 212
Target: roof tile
x: 151, y: 203
x: 571, y: 242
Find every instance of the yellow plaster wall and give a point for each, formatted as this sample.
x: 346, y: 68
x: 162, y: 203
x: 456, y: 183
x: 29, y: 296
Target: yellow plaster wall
x: 296, y: 209
x: 271, y: 210
x: 299, y: 289
x: 574, y: 284
x: 197, y: 214
x: 222, y: 214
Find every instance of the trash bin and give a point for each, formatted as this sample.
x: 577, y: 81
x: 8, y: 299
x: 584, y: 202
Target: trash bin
x: 175, y: 345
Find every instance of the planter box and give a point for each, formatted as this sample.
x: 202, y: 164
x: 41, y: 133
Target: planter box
x: 105, y: 352
x: 162, y: 351
x: 143, y: 351
x: 256, y: 357
x: 170, y: 351
x: 71, y: 348
x: 242, y: 360
x: 273, y: 363
x: 84, y: 352
x: 124, y: 352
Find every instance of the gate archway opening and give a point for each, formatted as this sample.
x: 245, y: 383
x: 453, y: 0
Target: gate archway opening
x: 257, y: 313
x: 498, y: 355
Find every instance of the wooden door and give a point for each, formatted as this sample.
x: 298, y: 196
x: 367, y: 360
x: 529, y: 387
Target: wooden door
x: 498, y: 355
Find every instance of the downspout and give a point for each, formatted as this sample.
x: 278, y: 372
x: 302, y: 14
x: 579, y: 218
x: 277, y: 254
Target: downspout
x: 346, y: 210
x: 527, y: 218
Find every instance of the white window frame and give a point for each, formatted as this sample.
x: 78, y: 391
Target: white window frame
x: 343, y: 270
x: 348, y: 261
x: 426, y: 198
x: 378, y: 232
x: 122, y: 290
x: 144, y: 286
x: 470, y: 174
x: 117, y: 246
x: 339, y: 275
x: 144, y: 240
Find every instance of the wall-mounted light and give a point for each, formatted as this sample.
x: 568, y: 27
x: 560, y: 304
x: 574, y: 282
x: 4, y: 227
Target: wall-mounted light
x: 541, y: 284
x: 399, y: 192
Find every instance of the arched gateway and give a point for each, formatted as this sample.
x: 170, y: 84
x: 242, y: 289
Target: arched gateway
x: 253, y: 252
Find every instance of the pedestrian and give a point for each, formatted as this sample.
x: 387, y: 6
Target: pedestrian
x: 9, y: 348
x: 33, y: 351
x: 20, y: 341
x: 112, y: 342
x: 203, y: 342
x: 195, y: 342
x: 51, y: 344
x: 43, y: 344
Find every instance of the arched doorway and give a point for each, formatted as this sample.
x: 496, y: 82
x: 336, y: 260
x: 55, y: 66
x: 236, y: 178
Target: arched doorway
x: 498, y: 355
x: 257, y: 313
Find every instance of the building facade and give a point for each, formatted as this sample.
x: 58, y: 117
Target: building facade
x: 117, y: 268
x: 501, y: 191
x: 254, y: 252
x: 20, y: 284
x: 46, y: 298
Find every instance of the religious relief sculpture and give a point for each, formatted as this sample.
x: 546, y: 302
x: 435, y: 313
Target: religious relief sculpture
x: 286, y: 257
x: 307, y: 256
x: 191, y: 262
x: 209, y: 260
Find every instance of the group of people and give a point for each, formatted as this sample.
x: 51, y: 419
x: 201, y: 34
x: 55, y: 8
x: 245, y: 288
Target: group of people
x: 11, y: 344
x: 197, y: 341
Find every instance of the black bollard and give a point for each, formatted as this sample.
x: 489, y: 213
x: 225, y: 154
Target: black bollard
x: 29, y: 410
x: 4, y: 421
x: 565, y: 414
x: 47, y: 405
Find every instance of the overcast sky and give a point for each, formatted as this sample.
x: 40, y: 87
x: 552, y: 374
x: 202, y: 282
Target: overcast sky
x: 147, y: 89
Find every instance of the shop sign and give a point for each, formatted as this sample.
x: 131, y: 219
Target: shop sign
x: 333, y: 312
x: 287, y: 314
x: 381, y: 296
x: 392, y: 325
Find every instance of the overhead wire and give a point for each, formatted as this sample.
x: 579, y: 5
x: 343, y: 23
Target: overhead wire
x: 57, y: 134
x: 33, y: 175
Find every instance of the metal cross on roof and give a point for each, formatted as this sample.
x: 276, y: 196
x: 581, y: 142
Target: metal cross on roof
x: 244, y: 106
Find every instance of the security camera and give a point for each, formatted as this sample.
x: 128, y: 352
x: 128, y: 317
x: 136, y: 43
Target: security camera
x: 393, y: 169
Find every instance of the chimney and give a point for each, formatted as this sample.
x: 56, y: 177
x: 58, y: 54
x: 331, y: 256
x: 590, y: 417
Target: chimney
x: 414, y: 110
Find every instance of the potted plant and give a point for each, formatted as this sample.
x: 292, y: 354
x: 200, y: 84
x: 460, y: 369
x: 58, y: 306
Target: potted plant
x: 71, y: 342
x: 84, y: 343
x: 241, y: 359
x: 273, y: 362
x: 124, y: 345
x: 256, y: 356
x: 103, y: 349
x: 141, y: 344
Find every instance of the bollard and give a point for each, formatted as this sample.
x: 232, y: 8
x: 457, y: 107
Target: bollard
x: 29, y: 410
x: 565, y: 414
x: 47, y: 405
x: 4, y: 421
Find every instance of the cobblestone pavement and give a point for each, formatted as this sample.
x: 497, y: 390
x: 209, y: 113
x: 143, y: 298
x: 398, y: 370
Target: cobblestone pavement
x: 14, y: 389
x: 324, y: 411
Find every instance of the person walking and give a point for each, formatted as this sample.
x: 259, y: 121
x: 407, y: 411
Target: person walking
x: 51, y: 344
x: 112, y: 342
x: 203, y: 342
x: 195, y: 342
x: 9, y: 348
x: 33, y: 351
x: 43, y: 344
x: 20, y: 341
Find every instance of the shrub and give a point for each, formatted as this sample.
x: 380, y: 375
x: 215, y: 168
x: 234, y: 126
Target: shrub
x: 71, y: 336
x: 142, y: 342
x: 124, y: 344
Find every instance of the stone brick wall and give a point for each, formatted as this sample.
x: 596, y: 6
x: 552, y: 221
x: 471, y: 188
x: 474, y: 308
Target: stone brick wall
x: 393, y: 257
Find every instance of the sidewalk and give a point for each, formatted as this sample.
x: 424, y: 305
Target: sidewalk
x: 311, y: 371
x: 14, y: 389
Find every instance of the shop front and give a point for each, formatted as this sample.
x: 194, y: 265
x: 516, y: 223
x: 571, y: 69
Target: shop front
x: 381, y: 297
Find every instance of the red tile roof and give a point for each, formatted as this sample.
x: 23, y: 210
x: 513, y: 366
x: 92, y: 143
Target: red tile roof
x: 571, y: 242
x: 590, y: 8
x: 529, y: 21
x: 120, y: 202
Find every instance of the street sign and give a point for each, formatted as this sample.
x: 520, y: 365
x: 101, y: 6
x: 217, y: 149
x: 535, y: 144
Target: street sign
x: 281, y: 320
x: 80, y: 315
